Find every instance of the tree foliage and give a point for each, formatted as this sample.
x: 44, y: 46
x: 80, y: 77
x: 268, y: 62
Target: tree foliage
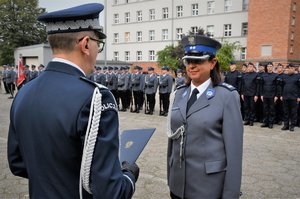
x: 171, y: 55
x: 19, y: 27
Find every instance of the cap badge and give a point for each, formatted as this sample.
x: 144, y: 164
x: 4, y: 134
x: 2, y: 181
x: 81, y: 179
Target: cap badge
x: 191, y: 40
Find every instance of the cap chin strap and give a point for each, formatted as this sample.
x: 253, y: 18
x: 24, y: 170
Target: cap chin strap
x: 204, y: 57
x: 90, y: 141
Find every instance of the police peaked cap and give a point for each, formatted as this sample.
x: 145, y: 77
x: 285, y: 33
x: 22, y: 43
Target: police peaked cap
x: 165, y: 68
x: 150, y: 68
x: 199, y: 45
x: 116, y: 68
x: 76, y: 19
x: 110, y: 68
x: 105, y: 68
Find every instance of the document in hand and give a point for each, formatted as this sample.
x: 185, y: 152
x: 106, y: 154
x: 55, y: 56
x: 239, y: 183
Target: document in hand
x: 133, y: 142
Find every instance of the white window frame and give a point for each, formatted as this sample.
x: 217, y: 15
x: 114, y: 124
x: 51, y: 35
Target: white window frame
x: 227, y: 30
x: 292, y: 35
x: 211, y: 30
x: 211, y: 7
x: 245, y: 5
x: 194, y: 29
x: 127, y: 37
x: 116, y: 2
x: 165, y: 13
x: 152, y: 14
x: 244, y: 29
x: 151, y: 55
x: 179, y: 33
x: 165, y: 34
x: 127, y: 55
x: 139, y: 15
x: 195, y: 9
x: 293, y: 21
x: 127, y: 17
x: 243, y: 53
x: 179, y: 11
x: 227, y: 5
x: 151, y: 35
x: 139, y: 36
x: 294, y: 6
x: 116, y: 56
x: 116, y: 18
x: 139, y: 55
x: 116, y: 37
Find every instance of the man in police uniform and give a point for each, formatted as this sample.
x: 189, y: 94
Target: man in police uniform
x: 11, y: 77
x: 165, y: 88
x: 233, y: 77
x: 49, y: 147
x: 112, y: 81
x: 150, y: 88
x: 4, y: 79
x: 122, y: 88
x: 179, y: 80
x: 33, y: 72
x: 137, y: 89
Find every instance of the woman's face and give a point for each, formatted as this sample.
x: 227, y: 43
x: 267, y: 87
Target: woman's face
x: 199, y: 72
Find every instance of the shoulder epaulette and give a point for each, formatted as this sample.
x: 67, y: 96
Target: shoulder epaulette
x: 93, y: 83
x: 227, y: 86
x: 180, y: 87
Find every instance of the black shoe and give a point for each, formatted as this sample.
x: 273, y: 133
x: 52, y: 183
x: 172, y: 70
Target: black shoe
x: 279, y: 123
x: 264, y: 125
x: 270, y: 126
x: 11, y: 97
x: 291, y: 128
x: 284, y: 128
x: 246, y: 123
x: 161, y: 113
x: 251, y: 124
x: 137, y: 111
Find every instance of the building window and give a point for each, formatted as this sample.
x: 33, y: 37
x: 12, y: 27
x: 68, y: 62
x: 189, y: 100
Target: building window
x: 245, y: 5
x: 291, y: 49
x: 127, y: 17
x: 210, y: 30
x: 165, y: 34
x: 152, y: 14
x: 116, y: 2
x: 243, y: 53
x: 179, y: 11
x: 227, y: 30
x: 165, y: 12
x: 179, y: 33
x: 127, y: 36
x: 244, y: 29
x: 227, y: 5
x: 126, y: 1
x: 151, y: 35
x: 292, y: 36
x: 293, y: 21
x: 116, y: 18
x: 127, y: 55
x: 266, y: 50
x: 116, y: 56
x: 139, y: 36
x: 116, y: 38
x: 195, y: 10
x: 294, y: 7
x: 139, y: 15
x: 139, y: 55
x: 194, y: 29
x: 210, y: 7
x: 151, y: 55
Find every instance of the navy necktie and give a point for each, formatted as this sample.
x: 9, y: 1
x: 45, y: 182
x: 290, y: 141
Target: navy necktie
x: 192, y: 99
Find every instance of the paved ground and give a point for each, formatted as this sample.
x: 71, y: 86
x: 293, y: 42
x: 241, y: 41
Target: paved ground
x: 271, y: 164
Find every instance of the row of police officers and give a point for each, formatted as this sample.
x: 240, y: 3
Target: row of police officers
x: 269, y: 96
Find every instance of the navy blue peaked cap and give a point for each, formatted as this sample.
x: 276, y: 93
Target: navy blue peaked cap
x: 165, y: 68
x: 80, y: 18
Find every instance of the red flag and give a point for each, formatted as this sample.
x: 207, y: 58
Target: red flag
x: 21, y: 74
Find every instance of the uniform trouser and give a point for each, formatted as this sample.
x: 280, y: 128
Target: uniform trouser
x: 242, y: 108
x: 128, y: 97
x: 151, y: 101
x: 259, y: 108
x: 269, y: 110
x: 164, y: 99
x: 11, y: 88
x: 279, y: 111
x: 298, y: 120
x: 249, y: 108
x: 138, y: 99
x: 5, y: 87
x: 290, y: 112
x: 122, y: 96
x: 115, y: 94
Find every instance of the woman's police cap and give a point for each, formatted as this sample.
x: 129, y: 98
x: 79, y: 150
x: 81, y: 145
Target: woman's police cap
x: 199, y: 46
x: 76, y: 19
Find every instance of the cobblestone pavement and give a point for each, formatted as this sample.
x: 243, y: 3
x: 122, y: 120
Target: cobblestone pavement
x: 271, y: 160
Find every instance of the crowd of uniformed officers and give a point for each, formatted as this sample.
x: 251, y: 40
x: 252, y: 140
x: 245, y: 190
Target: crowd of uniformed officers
x: 9, y: 77
x: 269, y: 95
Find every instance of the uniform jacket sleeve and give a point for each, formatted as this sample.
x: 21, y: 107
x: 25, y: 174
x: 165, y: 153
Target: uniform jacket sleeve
x: 170, y: 83
x: 233, y: 141
x: 107, y: 179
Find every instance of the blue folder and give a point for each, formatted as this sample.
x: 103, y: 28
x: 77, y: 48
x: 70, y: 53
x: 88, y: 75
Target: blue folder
x: 133, y: 142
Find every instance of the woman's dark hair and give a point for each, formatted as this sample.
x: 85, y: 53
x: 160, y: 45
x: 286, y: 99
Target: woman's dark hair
x: 215, y: 74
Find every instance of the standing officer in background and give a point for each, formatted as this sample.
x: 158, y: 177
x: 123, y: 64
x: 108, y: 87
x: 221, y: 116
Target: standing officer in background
x: 150, y: 88
x: 206, y: 129
x: 48, y: 146
x: 279, y: 103
x: 269, y: 95
x: 259, y: 106
x: 137, y: 89
x: 33, y: 72
x: 11, y: 77
x: 165, y: 88
x: 249, y: 94
x: 179, y: 80
x: 233, y: 77
x: 290, y: 97
x: 4, y: 79
x: 122, y: 88
x: 112, y: 81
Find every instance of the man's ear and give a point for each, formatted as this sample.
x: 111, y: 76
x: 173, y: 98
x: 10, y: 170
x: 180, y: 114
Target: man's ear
x: 84, y: 46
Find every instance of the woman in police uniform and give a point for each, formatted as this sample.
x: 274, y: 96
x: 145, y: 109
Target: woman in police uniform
x: 206, y: 129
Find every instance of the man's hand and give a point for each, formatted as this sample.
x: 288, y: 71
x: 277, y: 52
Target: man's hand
x: 132, y: 168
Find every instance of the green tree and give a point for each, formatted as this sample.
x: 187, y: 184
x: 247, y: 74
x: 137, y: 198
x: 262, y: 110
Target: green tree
x: 168, y: 57
x: 225, y: 53
x: 19, y: 27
